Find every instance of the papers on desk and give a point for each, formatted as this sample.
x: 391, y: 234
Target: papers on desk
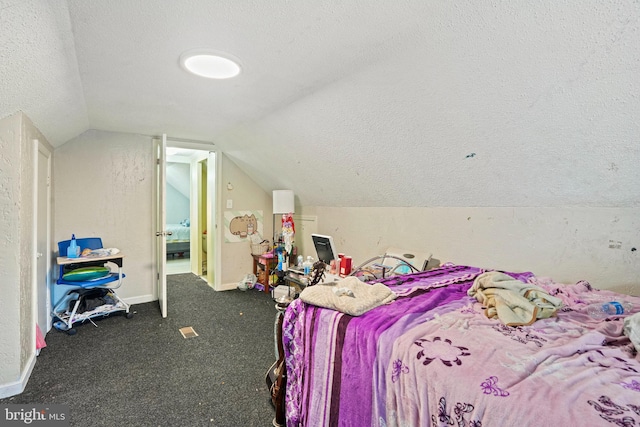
x: 90, y: 254
x: 102, y: 252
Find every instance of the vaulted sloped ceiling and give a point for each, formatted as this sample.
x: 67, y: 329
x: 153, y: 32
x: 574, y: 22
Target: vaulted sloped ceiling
x: 39, y: 70
x: 356, y: 102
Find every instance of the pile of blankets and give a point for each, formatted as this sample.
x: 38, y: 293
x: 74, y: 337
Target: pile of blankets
x: 513, y: 302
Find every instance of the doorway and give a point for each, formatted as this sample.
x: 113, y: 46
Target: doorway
x: 196, y: 154
x: 189, y: 206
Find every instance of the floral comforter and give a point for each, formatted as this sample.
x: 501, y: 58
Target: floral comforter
x: 432, y: 358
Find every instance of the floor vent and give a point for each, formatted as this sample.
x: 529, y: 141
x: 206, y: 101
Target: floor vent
x: 188, y: 332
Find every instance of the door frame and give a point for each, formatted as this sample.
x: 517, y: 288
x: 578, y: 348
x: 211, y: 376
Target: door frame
x: 40, y: 148
x: 214, y: 219
x: 214, y: 215
x: 206, y: 152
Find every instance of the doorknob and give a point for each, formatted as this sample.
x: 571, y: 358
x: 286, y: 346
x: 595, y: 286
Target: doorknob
x: 38, y: 254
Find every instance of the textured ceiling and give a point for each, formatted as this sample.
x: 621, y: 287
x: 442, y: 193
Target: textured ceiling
x: 356, y: 102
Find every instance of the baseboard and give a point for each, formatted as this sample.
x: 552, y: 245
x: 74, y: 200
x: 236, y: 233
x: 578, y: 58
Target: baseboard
x: 227, y: 286
x: 149, y: 298
x: 140, y: 299
x: 12, y: 389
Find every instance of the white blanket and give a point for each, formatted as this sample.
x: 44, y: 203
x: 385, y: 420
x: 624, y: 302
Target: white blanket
x: 365, y: 297
x: 514, y: 302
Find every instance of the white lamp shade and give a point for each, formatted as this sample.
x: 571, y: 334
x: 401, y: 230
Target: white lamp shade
x: 283, y: 201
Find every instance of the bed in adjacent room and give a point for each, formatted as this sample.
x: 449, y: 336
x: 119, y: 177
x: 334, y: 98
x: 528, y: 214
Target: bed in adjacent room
x: 178, y: 238
x: 432, y: 357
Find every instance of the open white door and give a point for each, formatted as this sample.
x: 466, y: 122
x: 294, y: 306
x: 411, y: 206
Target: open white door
x: 161, y: 235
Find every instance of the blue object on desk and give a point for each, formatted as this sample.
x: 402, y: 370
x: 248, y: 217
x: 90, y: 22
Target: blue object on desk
x: 72, y: 250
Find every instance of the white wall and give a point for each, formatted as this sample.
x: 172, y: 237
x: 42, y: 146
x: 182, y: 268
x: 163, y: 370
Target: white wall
x: 18, y: 302
x: 104, y: 188
x: 600, y: 245
x: 10, y: 286
x: 246, y: 195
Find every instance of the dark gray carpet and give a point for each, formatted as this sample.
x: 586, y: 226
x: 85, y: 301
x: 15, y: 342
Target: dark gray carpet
x: 142, y: 372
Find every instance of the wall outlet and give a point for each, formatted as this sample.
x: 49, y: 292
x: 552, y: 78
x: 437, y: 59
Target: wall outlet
x: 229, y: 203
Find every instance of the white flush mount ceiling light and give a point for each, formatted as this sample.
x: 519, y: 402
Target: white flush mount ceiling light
x: 210, y: 64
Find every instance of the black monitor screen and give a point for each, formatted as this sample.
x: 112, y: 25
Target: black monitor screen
x: 325, y: 248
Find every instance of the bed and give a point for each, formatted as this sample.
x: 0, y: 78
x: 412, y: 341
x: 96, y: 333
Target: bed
x: 432, y: 357
x: 178, y: 238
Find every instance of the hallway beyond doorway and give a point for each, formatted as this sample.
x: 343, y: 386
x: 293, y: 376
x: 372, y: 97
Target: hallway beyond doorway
x: 178, y: 266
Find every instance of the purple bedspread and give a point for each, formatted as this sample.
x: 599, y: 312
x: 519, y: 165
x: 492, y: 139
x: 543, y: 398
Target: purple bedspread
x: 431, y: 357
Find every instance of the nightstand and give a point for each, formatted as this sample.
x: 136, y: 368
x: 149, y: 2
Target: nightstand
x: 263, y: 267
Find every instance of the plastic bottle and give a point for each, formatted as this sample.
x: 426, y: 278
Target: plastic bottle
x: 307, y: 266
x: 600, y: 311
x: 333, y: 263
x: 72, y: 250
